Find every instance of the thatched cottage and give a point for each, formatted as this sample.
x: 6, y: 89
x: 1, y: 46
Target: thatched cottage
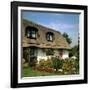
x: 43, y: 42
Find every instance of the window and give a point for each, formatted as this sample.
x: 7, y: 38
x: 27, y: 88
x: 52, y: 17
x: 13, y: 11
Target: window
x: 31, y: 32
x: 49, y: 36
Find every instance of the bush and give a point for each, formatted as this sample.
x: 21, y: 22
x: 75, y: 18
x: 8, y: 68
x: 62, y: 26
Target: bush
x: 48, y: 63
x: 33, y: 61
x: 48, y: 69
x: 67, y: 66
x: 45, y: 63
x: 77, y: 66
x: 56, y: 63
x: 25, y: 65
x: 51, y: 64
x: 26, y: 53
x: 41, y: 63
x: 23, y: 60
x: 70, y: 66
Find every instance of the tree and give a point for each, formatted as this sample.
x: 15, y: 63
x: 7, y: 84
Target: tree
x: 68, y: 39
x: 74, y: 51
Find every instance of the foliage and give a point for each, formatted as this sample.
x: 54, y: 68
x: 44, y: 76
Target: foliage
x: 23, y: 60
x: 67, y: 66
x: 45, y: 63
x: 24, y: 64
x: 70, y: 66
x: 49, y: 51
x: 74, y: 51
x: 33, y: 61
x: 53, y: 66
x: 48, y: 63
x: 56, y: 63
x: 68, y: 39
x: 41, y: 63
x: 26, y: 54
x: 47, y: 69
x: 76, y: 66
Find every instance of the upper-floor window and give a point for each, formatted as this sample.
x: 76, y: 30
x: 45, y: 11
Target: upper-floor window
x: 49, y: 36
x: 31, y: 32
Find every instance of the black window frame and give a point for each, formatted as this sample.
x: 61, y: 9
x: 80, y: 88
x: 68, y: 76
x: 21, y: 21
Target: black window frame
x: 29, y: 30
x: 48, y: 34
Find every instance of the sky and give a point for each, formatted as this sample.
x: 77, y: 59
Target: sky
x: 62, y: 22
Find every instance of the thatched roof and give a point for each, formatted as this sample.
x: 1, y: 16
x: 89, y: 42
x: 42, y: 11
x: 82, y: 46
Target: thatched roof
x: 41, y: 41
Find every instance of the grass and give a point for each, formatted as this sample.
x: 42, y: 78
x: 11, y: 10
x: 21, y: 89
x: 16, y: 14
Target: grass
x: 29, y: 72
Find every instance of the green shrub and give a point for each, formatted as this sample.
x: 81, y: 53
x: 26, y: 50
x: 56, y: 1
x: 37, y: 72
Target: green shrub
x: 76, y: 66
x: 56, y: 63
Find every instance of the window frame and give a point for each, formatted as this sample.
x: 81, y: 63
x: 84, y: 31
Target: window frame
x: 29, y: 30
x: 49, y: 35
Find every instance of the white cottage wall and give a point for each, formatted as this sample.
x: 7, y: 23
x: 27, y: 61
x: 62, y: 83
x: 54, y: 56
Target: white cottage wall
x: 41, y: 55
x: 56, y: 52
x: 65, y: 54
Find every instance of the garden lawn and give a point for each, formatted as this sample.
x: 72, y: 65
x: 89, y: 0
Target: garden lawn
x: 29, y: 72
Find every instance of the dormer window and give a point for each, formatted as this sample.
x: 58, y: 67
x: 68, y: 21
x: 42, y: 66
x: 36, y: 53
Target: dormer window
x: 31, y: 32
x: 49, y: 36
